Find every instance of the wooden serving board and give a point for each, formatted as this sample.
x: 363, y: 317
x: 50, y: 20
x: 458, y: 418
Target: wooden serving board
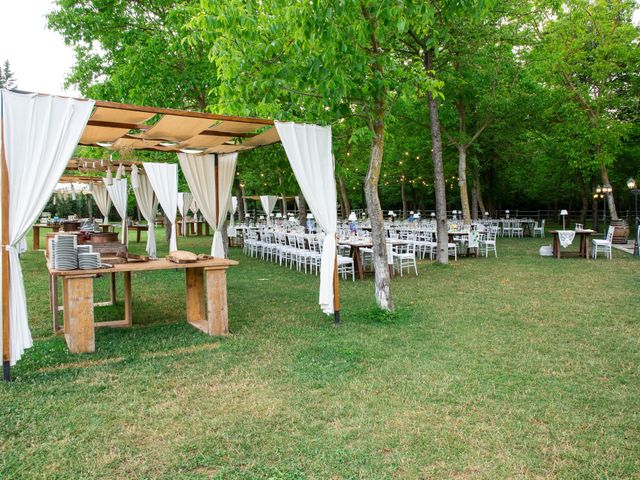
x: 182, y: 256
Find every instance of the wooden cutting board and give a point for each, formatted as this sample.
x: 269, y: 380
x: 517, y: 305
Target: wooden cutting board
x: 182, y: 256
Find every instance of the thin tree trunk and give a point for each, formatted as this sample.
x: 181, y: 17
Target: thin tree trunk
x: 302, y: 209
x: 474, y: 202
x: 462, y: 183
x: 438, y: 170
x: 241, y: 201
x: 404, y: 198
x: 378, y: 235
x: 344, y: 196
x: 613, y: 213
x: 478, y: 187
x: 283, y: 199
x: 585, y: 200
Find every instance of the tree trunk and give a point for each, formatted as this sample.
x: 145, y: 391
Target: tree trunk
x: 378, y: 235
x: 284, y: 206
x: 474, y: 202
x: 302, y: 209
x: 344, y: 196
x: 462, y: 183
x: 438, y: 170
x: 478, y: 187
x: 241, y: 201
x: 613, y: 213
x: 404, y: 199
x: 167, y: 229
x: 90, y: 206
x: 585, y: 200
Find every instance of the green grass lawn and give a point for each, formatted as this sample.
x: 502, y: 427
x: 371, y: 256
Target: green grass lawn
x: 516, y: 367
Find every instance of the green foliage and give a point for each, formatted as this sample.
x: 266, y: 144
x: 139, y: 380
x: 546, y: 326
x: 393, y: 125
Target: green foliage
x: 7, y: 78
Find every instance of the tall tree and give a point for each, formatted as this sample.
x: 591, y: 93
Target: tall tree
x: 323, y: 60
x: 589, y: 49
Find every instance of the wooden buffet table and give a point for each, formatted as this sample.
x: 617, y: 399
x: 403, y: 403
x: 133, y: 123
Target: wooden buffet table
x: 36, y: 233
x: 584, y: 235
x: 207, y: 314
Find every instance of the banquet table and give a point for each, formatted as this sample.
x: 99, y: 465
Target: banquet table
x: 205, y: 311
x: 36, y: 233
x: 138, y: 229
x: 355, y: 253
x: 584, y: 235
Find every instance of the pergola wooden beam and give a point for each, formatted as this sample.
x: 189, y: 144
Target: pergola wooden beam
x: 144, y: 126
x: 182, y: 113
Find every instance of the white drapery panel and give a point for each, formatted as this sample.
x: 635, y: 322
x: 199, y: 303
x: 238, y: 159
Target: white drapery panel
x: 148, y: 204
x: 233, y: 208
x: 200, y: 173
x: 40, y: 134
x: 268, y: 203
x: 184, y: 202
x: 308, y: 148
x: 164, y: 180
x: 118, y: 194
x: 101, y: 196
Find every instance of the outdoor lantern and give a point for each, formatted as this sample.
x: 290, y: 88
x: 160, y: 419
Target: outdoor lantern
x: 563, y: 213
x: 310, y: 223
x: 352, y: 217
x: 391, y: 213
x: 486, y: 214
x: 631, y: 184
x: 433, y: 214
x: 506, y: 212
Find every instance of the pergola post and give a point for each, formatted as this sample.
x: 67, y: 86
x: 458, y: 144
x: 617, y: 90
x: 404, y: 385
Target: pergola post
x: 336, y: 291
x: 6, y: 354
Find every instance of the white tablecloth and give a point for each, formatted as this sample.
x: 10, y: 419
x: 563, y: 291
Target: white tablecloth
x: 566, y: 237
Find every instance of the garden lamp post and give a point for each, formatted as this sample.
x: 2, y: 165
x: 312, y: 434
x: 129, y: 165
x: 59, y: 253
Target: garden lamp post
x: 635, y: 191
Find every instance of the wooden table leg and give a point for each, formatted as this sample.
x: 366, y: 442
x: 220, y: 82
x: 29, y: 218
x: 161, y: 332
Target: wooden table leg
x: 138, y: 230
x: 112, y: 289
x: 36, y: 238
x: 217, y: 314
x: 53, y: 300
x: 556, y: 246
x: 357, y: 261
x: 77, y: 295
x: 206, y: 227
x: 194, y: 292
x: 128, y: 312
x: 199, y: 229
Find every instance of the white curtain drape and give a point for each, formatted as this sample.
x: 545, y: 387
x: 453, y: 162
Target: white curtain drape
x: 194, y: 208
x: 199, y: 171
x: 164, y: 180
x: 103, y: 201
x: 184, y: 202
x: 233, y: 208
x: 39, y: 136
x: 268, y: 203
x: 119, y: 196
x: 308, y: 148
x: 148, y: 204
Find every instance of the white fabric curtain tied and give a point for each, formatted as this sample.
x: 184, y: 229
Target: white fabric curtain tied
x: 233, y: 208
x: 118, y: 194
x: 268, y: 203
x: 103, y: 201
x: 308, y: 148
x: 199, y: 171
x: 184, y: 202
x: 40, y: 134
x: 148, y: 204
x: 164, y: 180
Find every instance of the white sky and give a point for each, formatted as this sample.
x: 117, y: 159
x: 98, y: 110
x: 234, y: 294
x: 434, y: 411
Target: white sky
x: 39, y: 58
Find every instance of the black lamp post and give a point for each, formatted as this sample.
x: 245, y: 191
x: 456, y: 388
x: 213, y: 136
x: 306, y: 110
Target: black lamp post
x: 633, y: 188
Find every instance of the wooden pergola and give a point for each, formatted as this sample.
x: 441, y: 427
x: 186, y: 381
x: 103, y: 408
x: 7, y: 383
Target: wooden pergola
x: 125, y: 127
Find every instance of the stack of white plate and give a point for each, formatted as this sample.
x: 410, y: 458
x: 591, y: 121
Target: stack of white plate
x: 66, y: 257
x: 52, y: 252
x: 85, y: 249
x: 89, y: 261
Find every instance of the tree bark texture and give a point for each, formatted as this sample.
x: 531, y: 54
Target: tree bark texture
x: 344, y: 196
x: 438, y: 171
x: 613, y: 213
x: 462, y: 183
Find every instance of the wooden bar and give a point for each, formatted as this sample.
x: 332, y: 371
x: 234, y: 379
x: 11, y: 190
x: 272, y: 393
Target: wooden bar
x: 217, y: 315
x: 77, y: 298
x: 112, y: 288
x: 36, y: 237
x: 128, y: 312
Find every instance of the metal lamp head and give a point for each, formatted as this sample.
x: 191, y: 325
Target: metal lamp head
x: 631, y: 184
